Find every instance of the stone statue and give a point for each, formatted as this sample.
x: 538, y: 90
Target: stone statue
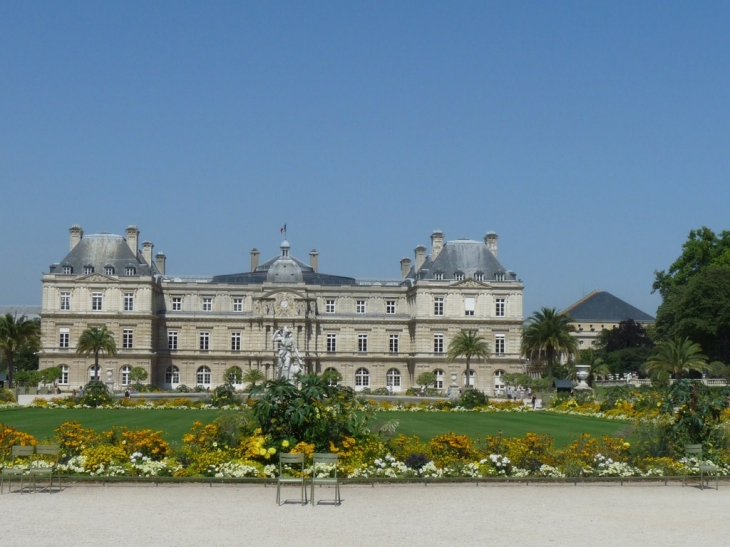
x: 288, y: 352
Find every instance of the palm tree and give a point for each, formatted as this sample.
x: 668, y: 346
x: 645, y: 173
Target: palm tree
x: 16, y: 333
x: 252, y: 376
x: 95, y: 340
x: 467, y: 344
x: 675, y: 357
x: 547, y: 338
x: 598, y: 369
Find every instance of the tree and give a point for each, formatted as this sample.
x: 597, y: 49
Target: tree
x: 674, y: 358
x: 426, y: 379
x: 95, y: 340
x: 332, y: 376
x: 470, y: 346
x: 17, y: 333
x: 138, y: 375
x: 598, y: 369
x: 547, y: 338
x: 232, y: 376
x: 50, y: 375
x: 627, y: 334
x: 252, y: 376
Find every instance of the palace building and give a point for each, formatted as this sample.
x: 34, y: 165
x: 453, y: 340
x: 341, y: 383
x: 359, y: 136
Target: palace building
x: 186, y: 330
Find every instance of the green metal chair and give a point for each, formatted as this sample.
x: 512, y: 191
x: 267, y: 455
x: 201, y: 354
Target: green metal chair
x: 15, y: 469
x: 706, y: 468
x: 45, y: 464
x: 329, y: 474
x: 289, y: 466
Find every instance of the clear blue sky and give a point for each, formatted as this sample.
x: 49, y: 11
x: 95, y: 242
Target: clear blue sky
x: 591, y: 136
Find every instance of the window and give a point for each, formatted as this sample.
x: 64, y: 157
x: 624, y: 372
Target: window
x: 438, y: 276
x: 65, y: 301
x: 499, y: 385
x: 128, y: 301
x: 472, y: 377
x: 88, y: 270
x: 68, y: 270
x: 459, y: 276
x: 127, y: 338
x: 393, y: 343
x: 207, y: 304
x: 499, y: 344
x: 331, y: 342
x: 238, y: 305
x: 172, y: 340
x: 360, y: 306
x: 63, y: 338
x: 499, y: 276
x: 392, y: 378
x: 94, y: 372
x: 362, y: 343
x: 131, y: 270
x: 108, y: 270
x: 438, y: 305
x: 172, y: 375
x: 439, y: 384
x: 204, y: 341
x: 362, y: 378
x: 479, y: 276
x: 438, y: 343
x: 390, y: 307
x: 499, y: 307
x: 96, y: 301
x: 235, y: 375
x: 329, y: 306
x: 235, y: 341
x: 64, y: 375
x: 126, y: 369
x: 176, y: 303
x: 469, y: 306
x: 203, y: 376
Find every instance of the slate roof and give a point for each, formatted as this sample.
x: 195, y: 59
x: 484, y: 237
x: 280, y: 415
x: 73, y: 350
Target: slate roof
x: 100, y: 251
x: 464, y: 256
x: 30, y: 312
x: 603, y: 306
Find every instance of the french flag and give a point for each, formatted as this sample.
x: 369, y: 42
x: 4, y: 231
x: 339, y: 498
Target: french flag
x: 283, y: 229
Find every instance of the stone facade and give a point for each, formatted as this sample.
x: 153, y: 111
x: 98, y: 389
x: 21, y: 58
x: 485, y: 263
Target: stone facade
x: 189, y: 331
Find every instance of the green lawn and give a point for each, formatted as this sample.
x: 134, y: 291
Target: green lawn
x: 41, y: 422
x: 562, y: 427
x: 174, y: 423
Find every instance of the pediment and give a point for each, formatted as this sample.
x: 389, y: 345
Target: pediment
x: 468, y: 284
x: 97, y: 278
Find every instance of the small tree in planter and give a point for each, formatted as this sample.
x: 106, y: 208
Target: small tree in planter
x: 138, y: 375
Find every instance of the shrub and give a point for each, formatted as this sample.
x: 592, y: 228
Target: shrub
x: 73, y: 438
x: 96, y: 394
x: 6, y: 396
x: 472, y: 398
x: 9, y: 437
x: 224, y: 394
x: 182, y: 388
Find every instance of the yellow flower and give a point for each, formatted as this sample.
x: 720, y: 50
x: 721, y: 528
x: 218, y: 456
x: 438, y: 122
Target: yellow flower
x: 262, y: 452
x: 284, y: 443
x: 272, y: 450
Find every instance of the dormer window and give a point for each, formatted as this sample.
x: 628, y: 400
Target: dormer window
x: 499, y: 276
x: 479, y: 276
x: 109, y: 270
x: 438, y: 276
x: 131, y: 270
x: 88, y: 270
x: 68, y: 270
x: 459, y: 276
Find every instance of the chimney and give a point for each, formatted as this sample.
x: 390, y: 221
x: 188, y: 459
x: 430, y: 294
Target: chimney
x: 420, y: 256
x: 147, y: 252
x: 160, y: 259
x: 490, y: 240
x: 437, y: 243
x: 133, y: 239
x: 254, y: 259
x: 314, y: 260
x: 405, y: 267
x: 77, y: 234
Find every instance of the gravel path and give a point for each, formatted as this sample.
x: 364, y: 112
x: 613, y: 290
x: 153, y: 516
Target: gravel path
x: 401, y: 515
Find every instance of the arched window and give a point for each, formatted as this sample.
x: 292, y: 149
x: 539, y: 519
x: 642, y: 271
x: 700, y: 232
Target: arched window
x: 94, y: 373
x: 64, y: 375
x: 499, y: 385
x: 472, y: 377
x: 332, y: 376
x: 392, y: 379
x: 172, y: 375
x: 203, y: 376
x: 440, y: 375
x: 362, y: 378
x: 126, y: 369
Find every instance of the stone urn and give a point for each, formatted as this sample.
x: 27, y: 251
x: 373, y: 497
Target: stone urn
x: 582, y: 373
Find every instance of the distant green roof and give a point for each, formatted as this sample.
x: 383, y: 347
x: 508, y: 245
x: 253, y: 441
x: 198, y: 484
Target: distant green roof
x: 603, y: 306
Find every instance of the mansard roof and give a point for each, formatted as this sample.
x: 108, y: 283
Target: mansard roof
x: 603, y: 306
x: 101, y: 251
x: 463, y: 256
